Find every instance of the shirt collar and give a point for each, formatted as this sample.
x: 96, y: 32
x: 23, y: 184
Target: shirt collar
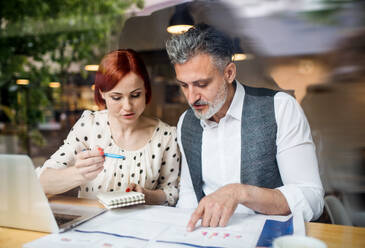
x: 234, y: 110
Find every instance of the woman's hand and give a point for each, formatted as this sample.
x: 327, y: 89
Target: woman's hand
x: 135, y: 187
x: 89, y: 164
x: 152, y: 197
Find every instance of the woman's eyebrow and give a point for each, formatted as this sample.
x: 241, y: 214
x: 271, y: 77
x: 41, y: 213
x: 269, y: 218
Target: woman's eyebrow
x: 136, y: 90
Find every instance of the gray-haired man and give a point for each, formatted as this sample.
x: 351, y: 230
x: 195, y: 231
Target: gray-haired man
x: 243, y: 149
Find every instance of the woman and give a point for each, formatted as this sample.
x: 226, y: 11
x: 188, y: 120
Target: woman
x: 149, y: 146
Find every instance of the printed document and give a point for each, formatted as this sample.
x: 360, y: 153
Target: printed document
x: 165, y: 227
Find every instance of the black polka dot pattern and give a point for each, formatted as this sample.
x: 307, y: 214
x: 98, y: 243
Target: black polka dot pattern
x: 154, y: 166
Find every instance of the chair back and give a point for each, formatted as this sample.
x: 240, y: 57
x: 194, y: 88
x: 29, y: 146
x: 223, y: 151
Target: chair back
x: 336, y: 211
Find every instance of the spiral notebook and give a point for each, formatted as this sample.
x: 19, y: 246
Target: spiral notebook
x: 120, y: 199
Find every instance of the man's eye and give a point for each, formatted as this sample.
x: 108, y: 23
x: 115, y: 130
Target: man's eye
x: 136, y: 95
x: 183, y: 85
x: 202, y: 85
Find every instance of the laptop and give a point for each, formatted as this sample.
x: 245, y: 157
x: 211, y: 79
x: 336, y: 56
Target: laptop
x: 24, y: 205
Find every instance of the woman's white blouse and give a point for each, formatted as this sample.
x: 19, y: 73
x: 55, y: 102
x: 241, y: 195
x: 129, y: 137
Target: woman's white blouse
x: 154, y: 166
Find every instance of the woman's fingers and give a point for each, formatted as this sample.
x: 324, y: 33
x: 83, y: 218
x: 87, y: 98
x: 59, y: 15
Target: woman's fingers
x: 90, y: 168
x: 92, y: 174
x: 88, y: 158
x: 131, y: 187
x: 88, y: 153
x: 139, y: 188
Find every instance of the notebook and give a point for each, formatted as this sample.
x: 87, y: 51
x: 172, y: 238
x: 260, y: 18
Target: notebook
x: 120, y: 199
x: 24, y: 205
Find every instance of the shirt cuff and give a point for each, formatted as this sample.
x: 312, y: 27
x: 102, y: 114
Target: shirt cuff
x: 296, y: 201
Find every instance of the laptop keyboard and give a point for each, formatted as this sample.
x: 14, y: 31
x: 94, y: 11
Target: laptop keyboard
x: 65, y: 218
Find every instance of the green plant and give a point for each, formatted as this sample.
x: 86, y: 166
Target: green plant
x: 39, y: 41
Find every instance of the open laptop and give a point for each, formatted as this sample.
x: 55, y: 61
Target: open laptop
x: 24, y: 205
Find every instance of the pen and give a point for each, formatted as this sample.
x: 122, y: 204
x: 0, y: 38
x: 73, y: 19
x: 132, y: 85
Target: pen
x: 111, y: 155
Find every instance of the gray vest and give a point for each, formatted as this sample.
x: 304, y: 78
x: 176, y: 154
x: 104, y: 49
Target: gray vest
x: 258, y: 142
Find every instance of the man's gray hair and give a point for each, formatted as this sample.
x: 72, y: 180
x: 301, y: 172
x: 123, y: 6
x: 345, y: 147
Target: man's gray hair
x: 201, y: 38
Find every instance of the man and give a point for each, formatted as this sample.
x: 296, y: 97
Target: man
x: 243, y: 149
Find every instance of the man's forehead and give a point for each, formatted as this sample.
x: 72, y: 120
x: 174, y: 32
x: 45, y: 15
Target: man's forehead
x: 192, y: 76
x: 198, y: 67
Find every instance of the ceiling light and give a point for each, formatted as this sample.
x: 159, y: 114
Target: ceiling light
x: 181, y: 21
x: 239, y: 54
x: 54, y: 84
x: 22, y: 81
x: 92, y: 67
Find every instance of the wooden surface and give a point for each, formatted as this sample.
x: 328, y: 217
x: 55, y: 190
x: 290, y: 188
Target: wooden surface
x: 336, y: 236
x: 333, y: 235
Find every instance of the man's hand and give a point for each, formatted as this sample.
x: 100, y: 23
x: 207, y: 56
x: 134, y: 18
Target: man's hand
x: 217, y: 208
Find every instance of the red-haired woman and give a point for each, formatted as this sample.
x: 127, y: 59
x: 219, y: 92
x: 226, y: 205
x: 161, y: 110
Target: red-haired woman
x: 151, y: 156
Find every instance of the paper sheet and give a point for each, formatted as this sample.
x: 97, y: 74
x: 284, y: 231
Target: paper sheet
x: 162, y: 227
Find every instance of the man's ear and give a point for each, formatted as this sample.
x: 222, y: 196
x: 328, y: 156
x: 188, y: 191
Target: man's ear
x: 230, y: 72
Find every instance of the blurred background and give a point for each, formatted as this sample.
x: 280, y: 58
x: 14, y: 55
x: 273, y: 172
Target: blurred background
x: 313, y: 49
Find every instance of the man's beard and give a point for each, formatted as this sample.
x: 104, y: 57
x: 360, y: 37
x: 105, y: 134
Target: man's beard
x: 213, y: 107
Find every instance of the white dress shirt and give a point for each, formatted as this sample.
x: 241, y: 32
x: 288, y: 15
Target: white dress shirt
x: 221, y: 156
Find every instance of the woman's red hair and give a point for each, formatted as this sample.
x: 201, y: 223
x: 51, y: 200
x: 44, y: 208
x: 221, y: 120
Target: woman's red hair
x: 116, y: 65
